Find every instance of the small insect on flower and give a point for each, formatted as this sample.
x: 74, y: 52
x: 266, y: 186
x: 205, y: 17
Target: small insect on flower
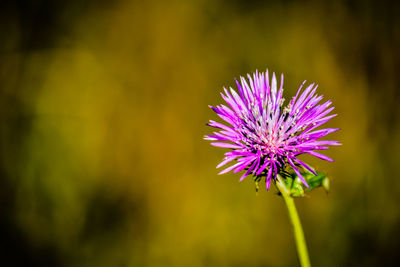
x: 265, y: 137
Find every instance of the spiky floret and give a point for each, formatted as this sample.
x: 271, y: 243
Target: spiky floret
x: 265, y: 137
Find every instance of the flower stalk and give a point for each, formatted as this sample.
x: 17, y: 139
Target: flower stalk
x: 301, y: 245
x: 266, y: 138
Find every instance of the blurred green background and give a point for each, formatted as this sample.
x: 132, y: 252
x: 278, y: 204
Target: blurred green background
x: 103, y: 106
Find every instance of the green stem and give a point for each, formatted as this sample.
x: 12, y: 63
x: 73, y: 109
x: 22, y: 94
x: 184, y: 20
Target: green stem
x: 295, y: 220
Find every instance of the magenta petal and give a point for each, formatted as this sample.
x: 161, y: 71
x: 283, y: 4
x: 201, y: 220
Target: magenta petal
x: 243, y: 166
x: 226, y: 160
x: 219, y: 125
x: 305, y: 166
x: 248, y: 171
x: 268, y: 179
x: 320, y: 133
x: 230, y: 168
x: 226, y: 145
x: 327, y: 143
x: 318, y: 155
x: 297, y: 172
x: 263, y: 167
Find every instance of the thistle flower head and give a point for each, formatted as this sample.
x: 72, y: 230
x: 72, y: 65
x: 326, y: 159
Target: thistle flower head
x: 264, y: 136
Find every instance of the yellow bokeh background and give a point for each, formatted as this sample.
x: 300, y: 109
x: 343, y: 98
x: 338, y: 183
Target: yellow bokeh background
x: 103, y: 109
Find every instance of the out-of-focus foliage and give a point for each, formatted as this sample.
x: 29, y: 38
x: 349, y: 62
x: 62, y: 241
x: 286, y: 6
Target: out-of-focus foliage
x: 103, y: 106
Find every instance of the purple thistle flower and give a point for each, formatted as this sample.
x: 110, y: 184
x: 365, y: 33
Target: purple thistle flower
x: 264, y: 136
